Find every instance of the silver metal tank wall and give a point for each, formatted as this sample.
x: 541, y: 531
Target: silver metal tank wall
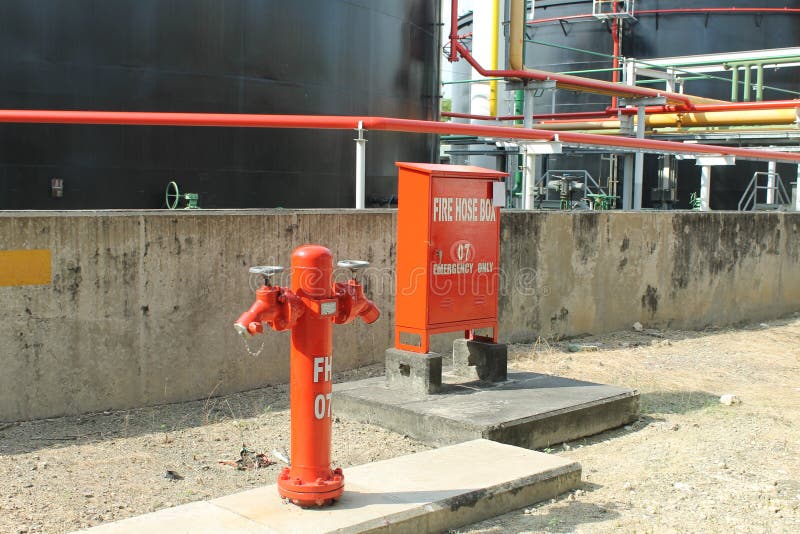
x: 344, y: 57
x: 665, y: 35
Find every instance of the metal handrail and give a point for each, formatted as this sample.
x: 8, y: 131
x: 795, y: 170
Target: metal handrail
x: 590, y: 185
x: 749, y: 199
x: 603, y: 9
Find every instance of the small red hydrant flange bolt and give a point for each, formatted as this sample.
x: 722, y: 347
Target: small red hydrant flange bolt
x: 309, y: 310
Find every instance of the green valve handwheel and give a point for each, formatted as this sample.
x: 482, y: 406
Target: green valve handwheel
x: 173, y: 196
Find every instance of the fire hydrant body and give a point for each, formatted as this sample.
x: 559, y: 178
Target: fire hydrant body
x: 309, y: 309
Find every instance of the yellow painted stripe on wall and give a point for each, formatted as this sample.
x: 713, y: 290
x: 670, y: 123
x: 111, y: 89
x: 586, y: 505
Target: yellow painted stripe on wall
x: 25, y: 267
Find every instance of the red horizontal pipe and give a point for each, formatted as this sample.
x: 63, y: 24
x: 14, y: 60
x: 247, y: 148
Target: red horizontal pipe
x: 457, y: 115
x: 687, y: 10
x: 587, y: 83
x: 334, y: 122
x: 579, y: 121
x: 543, y: 116
x: 571, y: 114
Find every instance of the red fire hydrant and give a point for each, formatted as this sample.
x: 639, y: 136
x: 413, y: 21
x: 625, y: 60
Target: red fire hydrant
x: 309, y: 308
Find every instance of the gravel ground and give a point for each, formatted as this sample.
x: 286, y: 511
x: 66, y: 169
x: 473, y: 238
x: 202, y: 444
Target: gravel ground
x: 59, y: 475
x: 690, y: 464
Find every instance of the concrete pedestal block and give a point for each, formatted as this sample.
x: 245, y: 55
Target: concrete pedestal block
x: 480, y: 361
x: 414, y: 372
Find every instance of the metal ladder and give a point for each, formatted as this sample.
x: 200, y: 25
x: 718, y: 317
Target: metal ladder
x: 752, y: 201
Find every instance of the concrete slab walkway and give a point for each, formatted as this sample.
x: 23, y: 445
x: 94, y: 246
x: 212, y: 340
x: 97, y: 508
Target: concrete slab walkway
x: 430, y: 491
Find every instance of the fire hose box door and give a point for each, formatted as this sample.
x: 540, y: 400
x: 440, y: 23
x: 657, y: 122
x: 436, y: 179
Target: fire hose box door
x: 464, y: 248
x: 447, y: 249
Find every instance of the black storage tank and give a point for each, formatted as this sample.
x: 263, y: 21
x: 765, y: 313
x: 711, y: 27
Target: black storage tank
x: 337, y: 57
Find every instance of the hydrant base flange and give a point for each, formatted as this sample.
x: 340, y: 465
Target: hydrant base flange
x: 315, y: 493
x: 309, y: 499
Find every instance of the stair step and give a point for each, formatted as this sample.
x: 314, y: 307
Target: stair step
x: 768, y: 207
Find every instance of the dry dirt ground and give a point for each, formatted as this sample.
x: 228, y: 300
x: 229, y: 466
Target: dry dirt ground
x: 690, y: 464
x: 59, y: 475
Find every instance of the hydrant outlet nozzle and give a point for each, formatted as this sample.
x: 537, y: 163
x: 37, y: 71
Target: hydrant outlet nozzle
x: 370, y: 313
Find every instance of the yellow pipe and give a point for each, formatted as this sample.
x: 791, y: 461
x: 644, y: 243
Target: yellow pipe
x: 495, y: 37
x: 689, y: 120
x: 516, y: 32
x: 755, y: 117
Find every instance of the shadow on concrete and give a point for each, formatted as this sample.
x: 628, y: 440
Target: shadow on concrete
x: 517, y: 380
x: 452, y: 498
x: 608, y: 435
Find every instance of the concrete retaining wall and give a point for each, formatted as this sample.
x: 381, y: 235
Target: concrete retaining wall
x: 141, y: 304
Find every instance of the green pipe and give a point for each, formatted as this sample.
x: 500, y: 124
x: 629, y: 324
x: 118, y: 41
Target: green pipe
x: 735, y: 84
x: 789, y: 59
x: 747, y: 85
x: 766, y: 61
x: 589, y: 71
x: 747, y: 61
x: 650, y: 82
x: 457, y: 137
x: 704, y: 76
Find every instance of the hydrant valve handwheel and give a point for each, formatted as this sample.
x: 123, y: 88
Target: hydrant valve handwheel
x: 267, y: 271
x: 309, y: 308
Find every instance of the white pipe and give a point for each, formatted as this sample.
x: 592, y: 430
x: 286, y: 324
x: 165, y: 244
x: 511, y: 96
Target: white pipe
x: 529, y: 173
x: 361, y: 167
x: 627, y: 181
x: 528, y: 179
x: 771, y: 166
x: 638, y: 171
x: 705, y: 187
x: 797, y: 191
x: 527, y: 108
